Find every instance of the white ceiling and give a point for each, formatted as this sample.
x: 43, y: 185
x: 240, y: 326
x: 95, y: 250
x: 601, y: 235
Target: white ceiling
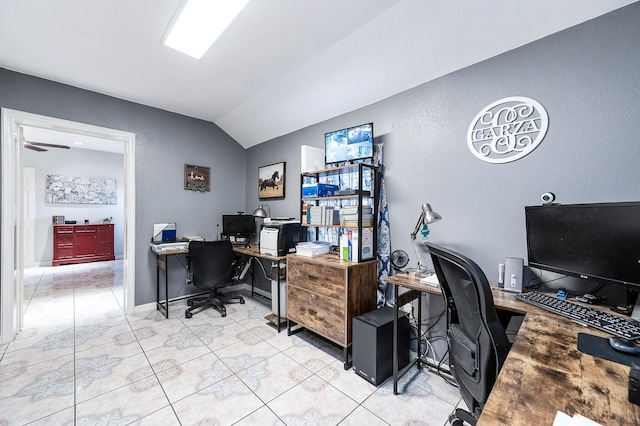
x: 72, y: 140
x: 283, y: 64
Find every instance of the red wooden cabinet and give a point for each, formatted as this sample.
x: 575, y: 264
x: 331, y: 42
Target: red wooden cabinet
x: 82, y: 243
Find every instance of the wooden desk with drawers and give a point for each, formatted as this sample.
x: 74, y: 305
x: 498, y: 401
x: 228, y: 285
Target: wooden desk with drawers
x: 545, y: 372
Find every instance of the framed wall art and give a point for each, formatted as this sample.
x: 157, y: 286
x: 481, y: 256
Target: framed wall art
x: 197, y: 178
x: 79, y: 190
x: 271, y: 181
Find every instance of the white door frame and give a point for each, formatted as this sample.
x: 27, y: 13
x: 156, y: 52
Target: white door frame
x: 12, y: 204
x: 29, y: 216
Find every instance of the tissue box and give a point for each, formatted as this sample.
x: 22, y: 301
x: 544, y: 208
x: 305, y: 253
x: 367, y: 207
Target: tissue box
x: 365, y: 244
x: 316, y: 190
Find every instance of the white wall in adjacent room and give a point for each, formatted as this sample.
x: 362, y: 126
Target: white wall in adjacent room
x: 74, y: 163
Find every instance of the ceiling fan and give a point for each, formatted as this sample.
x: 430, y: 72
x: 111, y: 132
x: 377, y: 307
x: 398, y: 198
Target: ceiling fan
x: 37, y: 146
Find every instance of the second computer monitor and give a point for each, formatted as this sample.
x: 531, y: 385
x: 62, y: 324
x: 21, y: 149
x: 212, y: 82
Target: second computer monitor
x: 238, y: 226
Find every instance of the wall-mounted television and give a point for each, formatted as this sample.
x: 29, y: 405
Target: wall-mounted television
x: 349, y: 145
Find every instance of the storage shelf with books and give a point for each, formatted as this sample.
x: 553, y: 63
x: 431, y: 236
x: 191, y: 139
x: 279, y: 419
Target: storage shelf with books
x: 339, y: 202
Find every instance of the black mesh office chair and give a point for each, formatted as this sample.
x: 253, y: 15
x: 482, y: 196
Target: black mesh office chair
x: 211, y: 266
x: 478, y: 344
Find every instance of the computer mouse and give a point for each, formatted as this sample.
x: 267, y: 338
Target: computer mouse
x: 623, y: 345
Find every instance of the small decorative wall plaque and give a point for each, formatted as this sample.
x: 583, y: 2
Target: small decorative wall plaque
x: 507, y: 130
x: 196, y: 178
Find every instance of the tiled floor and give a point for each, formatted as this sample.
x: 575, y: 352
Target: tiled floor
x: 80, y: 360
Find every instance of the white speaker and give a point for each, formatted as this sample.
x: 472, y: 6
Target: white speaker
x: 513, y: 271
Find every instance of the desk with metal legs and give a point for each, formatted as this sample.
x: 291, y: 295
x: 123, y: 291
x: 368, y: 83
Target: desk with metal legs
x: 545, y: 372
x: 162, y: 259
x: 415, y: 289
x: 254, y: 253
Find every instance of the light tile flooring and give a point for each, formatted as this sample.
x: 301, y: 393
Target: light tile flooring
x: 80, y: 360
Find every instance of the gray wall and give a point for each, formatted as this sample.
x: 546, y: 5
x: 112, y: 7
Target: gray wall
x: 164, y: 143
x: 587, y: 79
x: 74, y: 163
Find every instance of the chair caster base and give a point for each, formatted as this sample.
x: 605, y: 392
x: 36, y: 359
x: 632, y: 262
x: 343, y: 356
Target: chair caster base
x: 454, y: 421
x: 188, y: 314
x: 461, y: 417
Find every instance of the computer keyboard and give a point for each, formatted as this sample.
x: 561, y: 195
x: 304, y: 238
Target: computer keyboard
x: 613, y: 324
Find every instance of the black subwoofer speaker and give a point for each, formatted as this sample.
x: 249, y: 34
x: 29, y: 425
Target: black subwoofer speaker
x: 372, y: 347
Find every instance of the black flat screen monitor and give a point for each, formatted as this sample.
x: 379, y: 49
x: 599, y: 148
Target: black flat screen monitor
x: 348, y: 145
x: 595, y: 242
x: 238, y: 225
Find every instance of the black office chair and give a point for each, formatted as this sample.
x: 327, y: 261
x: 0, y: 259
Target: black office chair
x: 478, y: 344
x: 211, y: 266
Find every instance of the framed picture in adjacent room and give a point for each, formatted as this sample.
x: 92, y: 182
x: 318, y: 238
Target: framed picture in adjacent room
x: 197, y: 178
x: 271, y: 181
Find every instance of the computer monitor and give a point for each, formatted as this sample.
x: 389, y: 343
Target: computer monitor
x: 238, y: 226
x: 599, y: 243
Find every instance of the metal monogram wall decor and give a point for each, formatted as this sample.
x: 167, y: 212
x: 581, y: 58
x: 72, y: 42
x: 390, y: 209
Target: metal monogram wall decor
x: 507, y: 130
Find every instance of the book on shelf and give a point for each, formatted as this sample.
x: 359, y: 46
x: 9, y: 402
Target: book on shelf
x: 354, y: 224
x: 322, y: 215
x: 355, y: 209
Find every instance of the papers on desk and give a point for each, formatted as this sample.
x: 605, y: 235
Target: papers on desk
x: 312, y: 249
x: 192, y: 238
x: 563, y: 419
x: 164, y: 248
x: 431, y: 280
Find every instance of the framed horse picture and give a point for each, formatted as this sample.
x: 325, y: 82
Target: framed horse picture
x: 271, y: 181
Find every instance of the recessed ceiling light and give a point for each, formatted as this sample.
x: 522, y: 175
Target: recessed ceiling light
x: 79, y: 143
x: 198, y: 23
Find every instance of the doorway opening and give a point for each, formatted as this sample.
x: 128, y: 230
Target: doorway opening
x: 12, y: 232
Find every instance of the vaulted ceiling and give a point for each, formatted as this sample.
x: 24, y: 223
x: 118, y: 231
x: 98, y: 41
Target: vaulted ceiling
x: 282, y: 65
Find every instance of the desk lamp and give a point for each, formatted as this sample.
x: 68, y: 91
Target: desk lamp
x: 262, y: 211
x: 427, y: 216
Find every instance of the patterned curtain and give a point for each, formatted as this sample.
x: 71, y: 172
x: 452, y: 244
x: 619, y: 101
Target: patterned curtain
x: 384, y: 243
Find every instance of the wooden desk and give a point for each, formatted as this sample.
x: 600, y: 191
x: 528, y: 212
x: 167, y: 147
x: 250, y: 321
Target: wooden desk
x: 545, y: 372
x: 253, y: 251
